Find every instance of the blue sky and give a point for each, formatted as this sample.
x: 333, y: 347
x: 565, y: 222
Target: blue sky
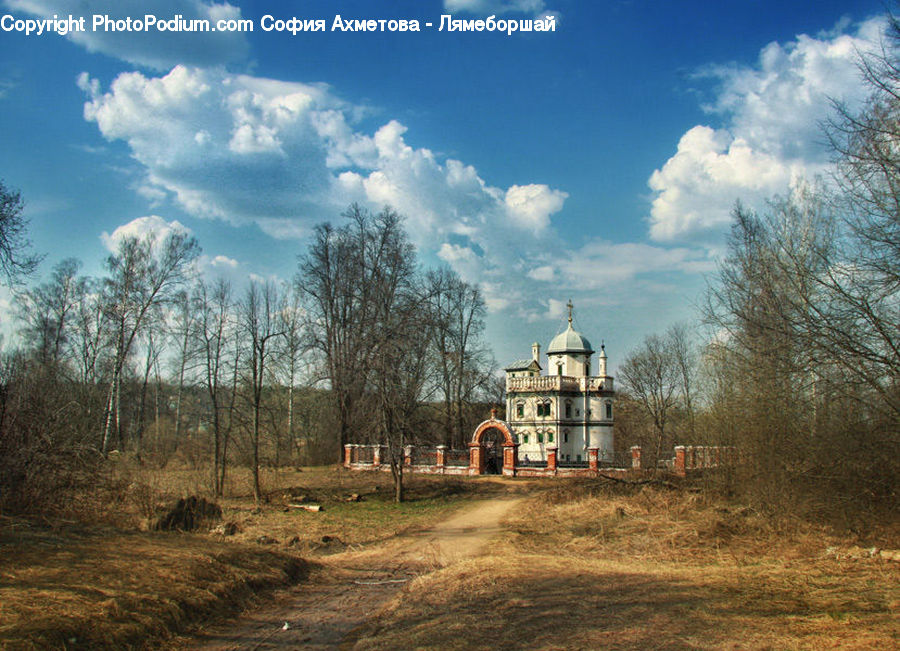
x: 597, y: 162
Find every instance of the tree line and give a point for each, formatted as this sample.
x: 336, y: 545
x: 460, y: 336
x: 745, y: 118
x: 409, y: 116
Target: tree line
x: 798, y: 364
x: 154, y: 361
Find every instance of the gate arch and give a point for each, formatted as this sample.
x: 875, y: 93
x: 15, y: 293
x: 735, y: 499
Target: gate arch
x: 477, y: 452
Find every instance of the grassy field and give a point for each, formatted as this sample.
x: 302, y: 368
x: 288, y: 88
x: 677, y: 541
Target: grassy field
x: 580, y: 565
x: 589, y: 567
x: 65, y: 584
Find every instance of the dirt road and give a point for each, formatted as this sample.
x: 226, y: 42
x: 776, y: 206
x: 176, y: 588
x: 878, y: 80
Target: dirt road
x: 347, y: 589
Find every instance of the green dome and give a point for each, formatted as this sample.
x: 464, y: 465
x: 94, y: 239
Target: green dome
x: 570, y: 341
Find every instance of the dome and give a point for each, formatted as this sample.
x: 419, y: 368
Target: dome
x: 570, y: 341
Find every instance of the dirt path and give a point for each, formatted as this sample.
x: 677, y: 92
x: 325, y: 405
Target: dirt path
x: 346, y: 589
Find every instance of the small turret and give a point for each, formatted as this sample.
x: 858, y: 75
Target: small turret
x: 602, y: 360
x: 536, y: 352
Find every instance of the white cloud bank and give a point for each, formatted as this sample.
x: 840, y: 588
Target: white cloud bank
x: 285, y: 155
x: 773, y: 113
x: 154, y: 49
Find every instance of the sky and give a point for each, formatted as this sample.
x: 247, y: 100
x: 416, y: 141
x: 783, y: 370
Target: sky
x: 597, y: 162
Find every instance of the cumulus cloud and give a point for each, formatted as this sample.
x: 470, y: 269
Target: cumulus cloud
x: 530, y: 206
x: 152, y: 226
x: 284, y: 155
x: 772, y: 113
x: 155, y: 49
x: 697, y: 187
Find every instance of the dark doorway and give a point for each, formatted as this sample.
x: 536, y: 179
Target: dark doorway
x: 492, y: 443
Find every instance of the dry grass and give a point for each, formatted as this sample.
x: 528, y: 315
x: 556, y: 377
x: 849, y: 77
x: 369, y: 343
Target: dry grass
x: 71, y: 585
x: 586, y: 567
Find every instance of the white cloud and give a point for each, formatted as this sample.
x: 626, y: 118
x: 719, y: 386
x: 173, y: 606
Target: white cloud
x: 697, y: 188
x: 545, y: 273
x: 530, y: 206
x: 773, y: 113
x: 153, y: 48
x: 151, y: 226
x: 603, y: 265
x: 494, y: 6
x: 224, y: 262
x: 285, y: 155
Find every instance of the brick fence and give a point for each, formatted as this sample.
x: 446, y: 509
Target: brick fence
x: 441, y: 460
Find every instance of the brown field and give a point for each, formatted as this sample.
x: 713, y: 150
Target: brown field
x: 576, y: 565
x: 69, y: 585
x: 590, y: 567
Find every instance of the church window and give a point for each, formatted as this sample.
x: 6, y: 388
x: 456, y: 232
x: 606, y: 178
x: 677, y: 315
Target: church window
x: 565, y: 437
x: 540, y: 438
x: 609, y: 410
x: 568, y: 410
x: 587, y: 369
x: 520, y: 410
x: 549, y: 437
x: 559, y: 369
x: 525, y: 438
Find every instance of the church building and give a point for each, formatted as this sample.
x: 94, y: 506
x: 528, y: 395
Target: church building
x: 568, y: 408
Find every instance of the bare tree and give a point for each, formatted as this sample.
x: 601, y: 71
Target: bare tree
x: 143, y: 273
x: 214, y: 321
x: 457, y: 310
x: 650, y: 373
x: 260, y: 322
x: 16, y: 260
x: 342, y: 277
x: 291, y: 346
x: 47, y: 311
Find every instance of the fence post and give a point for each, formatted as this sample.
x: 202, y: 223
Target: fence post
x: 407, y: 455
x: 376, y: 455
x: 441, y: 457
x: 636, y: 457
x: 551, y: 459
x: 476, y: 459
x: 347, y: 452
x: 594, y: 459
x: 679, y: 461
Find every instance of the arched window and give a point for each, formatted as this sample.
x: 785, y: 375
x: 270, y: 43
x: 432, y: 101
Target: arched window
x: 568, y: 409
x: 520, y: 410
x: 559, y: 369
x: 609, y: 411
x: 540, y: 437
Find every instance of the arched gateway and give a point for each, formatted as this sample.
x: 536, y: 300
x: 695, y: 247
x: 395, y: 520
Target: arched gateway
x: 493, y: 448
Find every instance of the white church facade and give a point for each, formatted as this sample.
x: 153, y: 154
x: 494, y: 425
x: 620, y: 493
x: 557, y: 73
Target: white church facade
x: 567, y: 410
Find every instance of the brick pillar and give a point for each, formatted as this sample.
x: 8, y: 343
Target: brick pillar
x: 348, y: 451
x: 594, y: 459
x: 510, y: 455
x: 551, y: 459
x: 376, y: 455
x: 441, y: 457
x: 476, y: 459
x: 407, y: 455
x: 636, y: 457
x: 679, y: 461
